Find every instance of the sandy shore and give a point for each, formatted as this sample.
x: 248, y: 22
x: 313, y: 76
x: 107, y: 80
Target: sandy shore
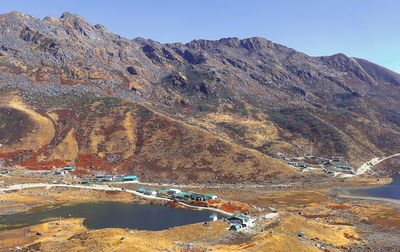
x: 348, y: 196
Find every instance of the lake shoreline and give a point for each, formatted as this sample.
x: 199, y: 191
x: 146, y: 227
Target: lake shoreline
x: 97, y: 215
x: 368, y: 198
x: 385, y: 197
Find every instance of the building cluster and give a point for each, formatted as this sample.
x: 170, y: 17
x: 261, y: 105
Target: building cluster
x: 64, y: 170
x: 238, y: 221
x: 328, y: 165
x: 99, y: 178
x: 111, y: 178
x: 178, y: 194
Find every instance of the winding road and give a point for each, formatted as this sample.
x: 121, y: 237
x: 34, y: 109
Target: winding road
x: 376, y: 160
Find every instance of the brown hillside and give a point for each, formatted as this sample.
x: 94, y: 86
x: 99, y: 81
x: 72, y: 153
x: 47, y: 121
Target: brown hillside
x: 123, y: 136
x: 210, y: 106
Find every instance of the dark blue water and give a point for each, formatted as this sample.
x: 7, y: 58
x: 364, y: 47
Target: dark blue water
x: 391, y: 191
x: 112, y: 215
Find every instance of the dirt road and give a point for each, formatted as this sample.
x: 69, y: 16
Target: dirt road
x: 376, y: 160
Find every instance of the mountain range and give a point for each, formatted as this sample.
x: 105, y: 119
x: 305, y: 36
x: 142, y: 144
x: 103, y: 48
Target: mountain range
x: 73, y: 93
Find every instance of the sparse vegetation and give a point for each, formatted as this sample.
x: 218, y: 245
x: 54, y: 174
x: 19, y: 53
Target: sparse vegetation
x: 309, y: 126
x: 238, y: 129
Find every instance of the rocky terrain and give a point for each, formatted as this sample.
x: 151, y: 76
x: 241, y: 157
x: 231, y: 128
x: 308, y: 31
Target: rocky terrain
x: 73, y: 93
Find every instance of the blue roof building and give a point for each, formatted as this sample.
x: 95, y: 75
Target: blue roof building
x: 344, y: 166
x: 141, y: 190
x: 130, y: 178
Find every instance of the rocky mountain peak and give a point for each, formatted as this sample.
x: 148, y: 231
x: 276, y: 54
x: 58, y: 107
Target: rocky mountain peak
x: 232, y: 42
x: 72, y: 17
x: 79, y: 24
x: 13, y: 21
x: 256, y: 43
x: 200, y: 44
x: 15, y: 14
x: 248, y: 43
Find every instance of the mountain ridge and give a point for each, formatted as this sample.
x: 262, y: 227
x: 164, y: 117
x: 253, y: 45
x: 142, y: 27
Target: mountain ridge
x: 250, y: 92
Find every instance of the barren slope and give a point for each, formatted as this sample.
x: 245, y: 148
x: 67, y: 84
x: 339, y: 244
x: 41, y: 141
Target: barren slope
x: 210, y: 110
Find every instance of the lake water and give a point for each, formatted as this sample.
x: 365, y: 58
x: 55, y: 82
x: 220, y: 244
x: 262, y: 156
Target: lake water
x: 112, y: 215
x: 391, y: 191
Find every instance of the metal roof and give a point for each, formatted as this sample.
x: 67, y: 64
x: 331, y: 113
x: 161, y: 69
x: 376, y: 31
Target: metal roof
x: 210, y: 195
x: 130, y: 176
x: 239, y: 216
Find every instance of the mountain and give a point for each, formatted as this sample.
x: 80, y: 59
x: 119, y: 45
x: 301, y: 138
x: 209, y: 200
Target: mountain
x: 214, y: 111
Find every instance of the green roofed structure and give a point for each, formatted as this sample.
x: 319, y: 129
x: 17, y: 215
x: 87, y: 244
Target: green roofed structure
x: 344, y: 167
x: 211, y: 196
x: 69, y: 168
x: 181, y: 195
x: 163, y: 193
x: 199, y: 197
x: 141, y: 190
x: 130, y: 178
x: 190, y: 193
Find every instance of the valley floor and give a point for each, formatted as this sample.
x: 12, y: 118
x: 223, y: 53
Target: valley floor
x: 328, y: 222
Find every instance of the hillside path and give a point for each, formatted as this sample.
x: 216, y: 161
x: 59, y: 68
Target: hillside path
x: 374, y: 161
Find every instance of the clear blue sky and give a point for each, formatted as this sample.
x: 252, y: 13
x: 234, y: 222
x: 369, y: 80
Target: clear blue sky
x: 367, y: 29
